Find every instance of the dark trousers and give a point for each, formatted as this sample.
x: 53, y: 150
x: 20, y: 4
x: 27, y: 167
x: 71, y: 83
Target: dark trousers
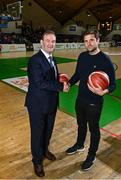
x: 88, y: 114
x: 41, y: 130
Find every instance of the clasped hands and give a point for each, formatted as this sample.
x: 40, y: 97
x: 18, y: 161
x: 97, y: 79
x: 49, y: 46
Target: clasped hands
x: 66, y: 87
x: 98, y: 91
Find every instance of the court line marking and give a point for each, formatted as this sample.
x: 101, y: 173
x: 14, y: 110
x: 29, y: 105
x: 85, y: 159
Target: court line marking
x: 112, y: 134
x: 108, y: 132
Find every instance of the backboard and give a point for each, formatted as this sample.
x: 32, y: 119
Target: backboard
x: 14, y: 9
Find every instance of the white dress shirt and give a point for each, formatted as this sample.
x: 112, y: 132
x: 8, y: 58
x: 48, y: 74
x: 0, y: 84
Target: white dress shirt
x: 47, y: 57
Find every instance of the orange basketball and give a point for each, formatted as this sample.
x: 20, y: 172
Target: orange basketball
x: 63, y: 77
x: 98, y: 79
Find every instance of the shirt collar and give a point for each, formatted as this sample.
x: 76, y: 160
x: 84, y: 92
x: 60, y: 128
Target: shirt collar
x: 46, y: 54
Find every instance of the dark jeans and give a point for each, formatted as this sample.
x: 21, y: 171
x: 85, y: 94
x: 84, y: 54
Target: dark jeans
x: 88, y: 114
x: 41, y: 131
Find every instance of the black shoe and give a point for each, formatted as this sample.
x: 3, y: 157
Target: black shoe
x: 88, y: 163
x: 75, y: 148
x: 50, y: 156
x: 39, y: 170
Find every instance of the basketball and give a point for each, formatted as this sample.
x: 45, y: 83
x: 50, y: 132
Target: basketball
x: 63, y: 77
x: 98, y: 79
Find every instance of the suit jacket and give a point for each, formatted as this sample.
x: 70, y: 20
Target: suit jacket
x: 43, y: 87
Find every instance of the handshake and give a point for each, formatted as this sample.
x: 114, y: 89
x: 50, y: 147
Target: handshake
x: 63, y: 78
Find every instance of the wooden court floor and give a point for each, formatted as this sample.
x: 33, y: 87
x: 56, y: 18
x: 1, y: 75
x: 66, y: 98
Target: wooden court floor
x: 15, y: 156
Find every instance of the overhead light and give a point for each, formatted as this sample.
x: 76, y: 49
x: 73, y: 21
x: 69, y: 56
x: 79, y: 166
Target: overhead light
x: 88, y: 13
x: 60, y: 11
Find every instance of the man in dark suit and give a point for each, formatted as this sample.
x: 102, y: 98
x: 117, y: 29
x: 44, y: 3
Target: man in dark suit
x: 42, y: 100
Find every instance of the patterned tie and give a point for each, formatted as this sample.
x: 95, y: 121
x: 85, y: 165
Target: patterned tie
x: 51, y: 61
x: 52, y: 65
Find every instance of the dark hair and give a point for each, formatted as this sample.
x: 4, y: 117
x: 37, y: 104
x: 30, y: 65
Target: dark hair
x: 94, y: 32
x: 46, y: 33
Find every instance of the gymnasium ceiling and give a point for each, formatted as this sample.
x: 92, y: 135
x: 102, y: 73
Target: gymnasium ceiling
x: 64, y: 10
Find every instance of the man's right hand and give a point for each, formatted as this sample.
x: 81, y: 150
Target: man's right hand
x: 66, y: 87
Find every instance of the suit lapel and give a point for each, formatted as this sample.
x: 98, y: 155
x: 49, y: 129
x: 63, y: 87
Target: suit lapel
x: 44, y: 59
x: 47, y: 64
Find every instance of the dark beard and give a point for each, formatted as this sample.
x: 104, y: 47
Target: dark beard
x: 94, y: 49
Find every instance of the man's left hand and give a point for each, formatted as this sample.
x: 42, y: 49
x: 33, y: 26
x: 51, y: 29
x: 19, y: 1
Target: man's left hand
x: 99, y: 91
